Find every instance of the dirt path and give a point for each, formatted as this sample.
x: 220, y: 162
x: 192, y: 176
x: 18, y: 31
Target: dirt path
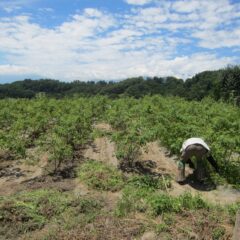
x: 167, y: 165
x: 14, y: 173
x: 104, y: 150
x: 164, y: 163
x: 222, y: 195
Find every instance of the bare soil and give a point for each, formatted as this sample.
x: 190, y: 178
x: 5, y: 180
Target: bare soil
x: 15, y: 172
x: 157, y: 159
x: 102, y: 150
x: 17, y: 176
x: 166, y: 164
x: 104, y: 127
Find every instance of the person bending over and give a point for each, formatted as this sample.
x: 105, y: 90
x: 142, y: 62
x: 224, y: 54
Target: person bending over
x: 195, y: 147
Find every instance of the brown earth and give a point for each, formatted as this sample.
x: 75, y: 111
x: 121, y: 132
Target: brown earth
x: 17, y: 176
x: 15, y: 172
x: 167, y: 164
x: 102, y: 150
x: 159, y: 160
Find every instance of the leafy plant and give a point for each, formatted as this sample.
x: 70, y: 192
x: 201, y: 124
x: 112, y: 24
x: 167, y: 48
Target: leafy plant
x: 98, y: 175
x: 218, y: 233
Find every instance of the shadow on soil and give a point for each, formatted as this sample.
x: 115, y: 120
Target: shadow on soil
x: 141, y: 167
x: 200, y: 186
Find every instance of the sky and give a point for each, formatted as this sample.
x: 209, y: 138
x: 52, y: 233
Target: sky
x: 116, y: 39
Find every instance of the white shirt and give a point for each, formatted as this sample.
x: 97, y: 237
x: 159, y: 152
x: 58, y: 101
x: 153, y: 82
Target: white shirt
x: 191, y: 141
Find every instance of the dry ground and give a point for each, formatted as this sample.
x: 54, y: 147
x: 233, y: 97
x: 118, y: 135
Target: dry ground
x: 17, y: 176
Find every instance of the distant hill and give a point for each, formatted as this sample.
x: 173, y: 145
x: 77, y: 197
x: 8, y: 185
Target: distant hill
x: 220, y: 84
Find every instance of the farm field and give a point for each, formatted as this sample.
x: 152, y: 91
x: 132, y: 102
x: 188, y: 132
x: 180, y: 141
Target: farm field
x: 101, y: 168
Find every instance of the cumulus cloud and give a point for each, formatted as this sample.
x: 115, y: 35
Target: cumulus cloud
x: 138, y: 2
x: 147, y: 41
x: 8, y: 69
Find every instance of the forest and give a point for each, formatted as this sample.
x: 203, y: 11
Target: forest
x: 223, y: 84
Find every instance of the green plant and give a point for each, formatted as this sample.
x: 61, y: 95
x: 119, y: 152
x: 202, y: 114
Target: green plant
x: 218, y: 233
x: 98, y: 175
x: 28, y: 211
x: 162, y: 227
x: 188, y: 201
x: 163, y: 203
x: 149, y: 181
x: 143, y: 199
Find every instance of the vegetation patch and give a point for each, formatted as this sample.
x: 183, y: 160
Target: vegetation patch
x: 187, y: 216
x: 218, y: 233
x: 100, y: 176
x: 149, y: 181
x: 145, y: 199
x: 30, y: 210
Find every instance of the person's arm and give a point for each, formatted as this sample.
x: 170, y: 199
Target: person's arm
x: 213, y: 163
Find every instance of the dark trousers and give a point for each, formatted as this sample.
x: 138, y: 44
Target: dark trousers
x: 199, y: 152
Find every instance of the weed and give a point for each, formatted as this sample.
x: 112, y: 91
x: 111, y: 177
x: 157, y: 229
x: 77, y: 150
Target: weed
x: 218, y: 233
x: 28, y: 211
x: 232, y: 211
x: 233, y: 208
x: 192, y: 202
x: 148, y: 181
x: 99, y: 176
x: 162, y: 227
x: 168, y: 219
x: 85, y: 205
x: 161, y: 203
x: 80, y: 212
x: 144, y: 199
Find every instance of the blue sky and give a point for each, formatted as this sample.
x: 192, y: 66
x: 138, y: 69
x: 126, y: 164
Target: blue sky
x: 116, y: 39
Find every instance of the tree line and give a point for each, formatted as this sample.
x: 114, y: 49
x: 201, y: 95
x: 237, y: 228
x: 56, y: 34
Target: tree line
x: 222, y: 84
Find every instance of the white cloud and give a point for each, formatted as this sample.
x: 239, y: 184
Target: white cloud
x: 49, y: 10
x: 218, y: 39
x: 12, y: 5
x: 91, y: 12
x: 95, y: 44
x: 186, y: 5
x: 8, y: 69
x: 11, y: 9
x: 138, y: 2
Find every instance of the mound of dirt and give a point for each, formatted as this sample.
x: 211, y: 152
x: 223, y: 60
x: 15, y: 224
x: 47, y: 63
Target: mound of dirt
x: 103, y: 127
x: 161, y: 163
x: 166, y: 164
x: 102, y: 149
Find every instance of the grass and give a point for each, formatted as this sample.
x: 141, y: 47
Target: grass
x: 150, y: 182
x: 28, y: 211
x: 218, y: 233
x: 100, y: 176
x: 63, y: 214
x: 147, y: 199
x: 185, y: 216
